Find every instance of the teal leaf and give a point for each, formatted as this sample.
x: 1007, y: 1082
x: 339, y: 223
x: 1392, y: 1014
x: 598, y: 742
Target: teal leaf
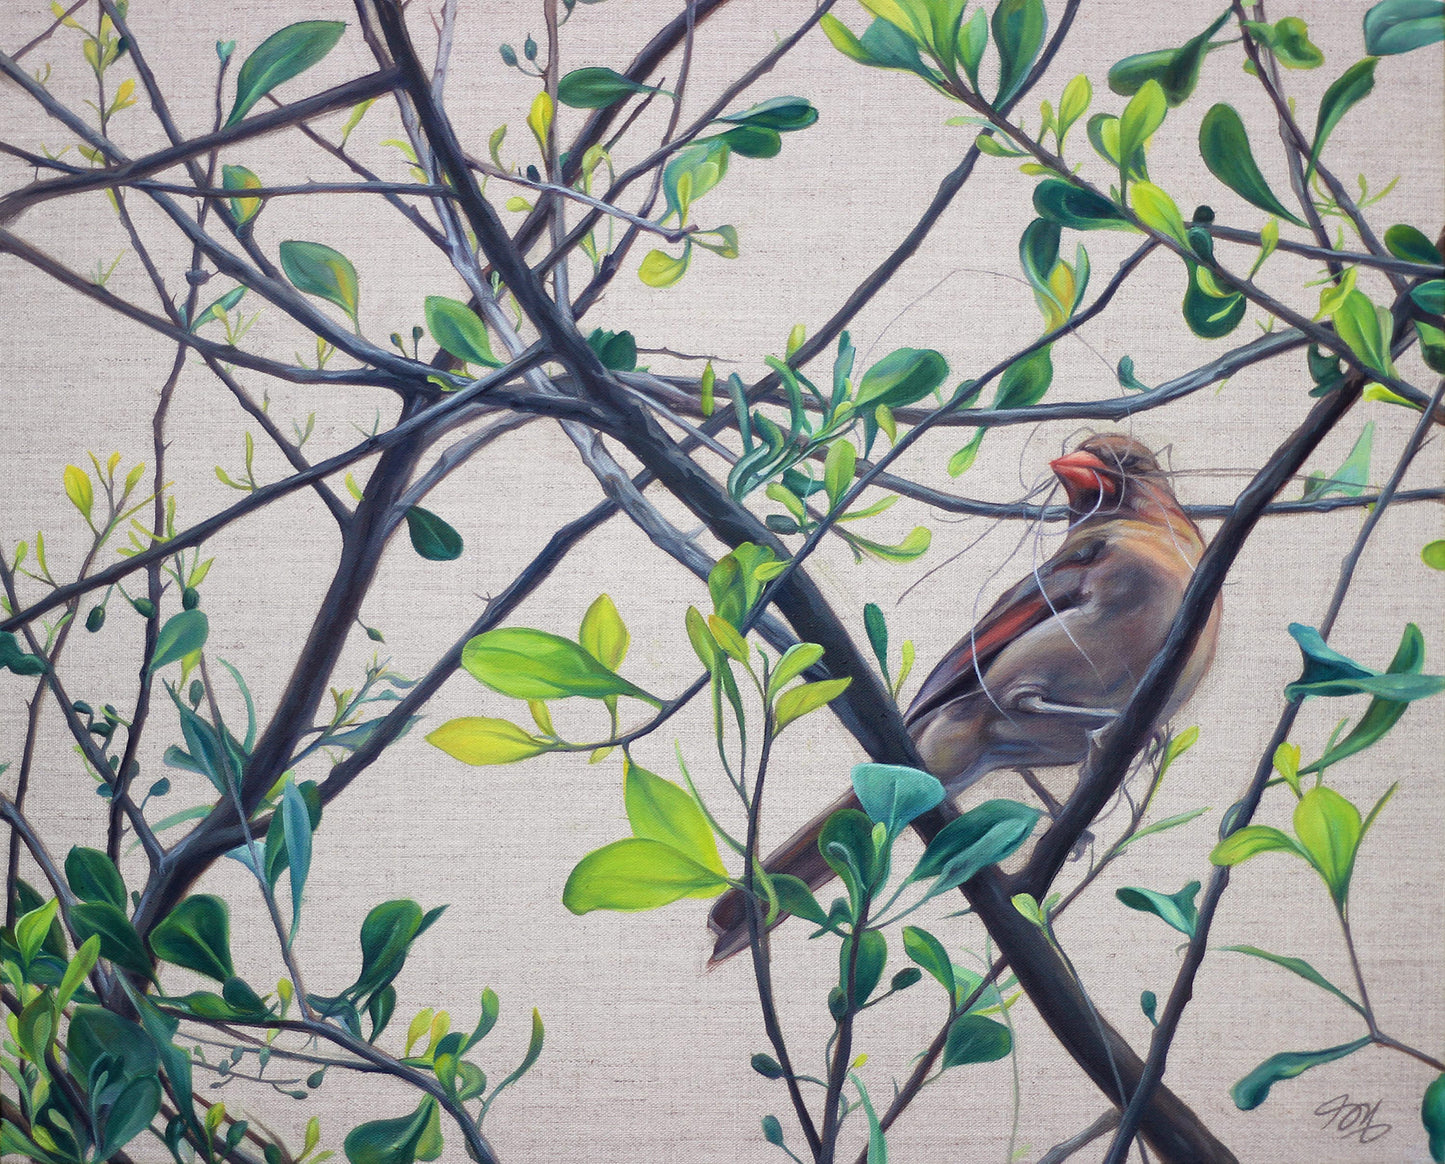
x: 1224, y: 146
x: 752, y: 141
x: 431, y: 537
x: 319, y: 270
x: 975, y: 1039
x: 1432, y: 1115
x: 636, y: 874
x: 784, y: 114
x: 1382, y: 714
x: 533, y: 664
x: 196, y: 935
x: 296, y: 813
x: 893, y: 795
x: 1327, y: 672
x: 1353, y: 86
x: 280, y: 57
x: 1253, y: 1089
x: 182, y: 634
x: 1398, y: 26
x: 1302, y: 968
x: 1430, y: 296
x: 1176, y: 910
x: 980, y: 837
x: 94, y: 877
x: 1350, y: 478
x: 459, y: 331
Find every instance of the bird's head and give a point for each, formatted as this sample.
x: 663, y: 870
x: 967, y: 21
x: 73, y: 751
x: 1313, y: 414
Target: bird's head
x: 1112, y: 474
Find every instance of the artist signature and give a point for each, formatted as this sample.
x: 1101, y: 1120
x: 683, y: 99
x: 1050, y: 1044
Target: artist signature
x: 1352, y: 1120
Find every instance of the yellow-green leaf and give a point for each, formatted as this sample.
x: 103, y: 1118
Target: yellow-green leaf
x: 799, y: 701
x: 479, y: 740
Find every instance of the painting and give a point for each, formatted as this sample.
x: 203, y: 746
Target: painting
x: 710, y: 581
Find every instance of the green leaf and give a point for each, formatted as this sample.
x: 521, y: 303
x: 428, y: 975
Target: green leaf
x: 459, y: 331
x: 894, y: 795
x: 1224, y: 146
x: 1157, y: 211
x: 1327, y: 672
x: 660, y: 810
x: 1018, y: 34
x: 784, y: 114
x: 1430, y: 297
x: 1328, y: 827
x: 796, y: 659
x: 1302, y: 968
x: 1432, y: 346
x: 798, y: 701
x: 96, y: 1033
x: 136, y: 1105
x: 533, y: 664
x: 841, y: 37
x: 431, y: 537
x: 1289, y: 41
x: 901, y: 378
x: 975, y: 1039
x: 868, y: 968
x: 243, y: 210
x: 1353, y: 86
x: 1432, y: 1115
x: 197, y: 935
x: 1176, y: 910
x: 603, y: 634
x: 1250, y: 841
x: 393, y: 1141
x: 972, y: 40
x: 479, y: 740
x: 1253, y: 1089
x: 94, y: 877
x: 78, y: 489
x: 1433, y: 554
x: 32, y: 929
x: 1175, y: 70
x: 752, y: 141
x: 980, y: 837
x: 1406, y: 242
x: 1024, y: 382
x: 281, y: 56
x: 319, y: 270
x: 386, y: 938
x: 597, y: 88
x: 1398, y: 26
x: 118, y: 940
x: 77, y: 970
x: 1358, y: 324
x: 183, y: 634
x: 929, y: 952
x: 1382, y: 714
x: 635, y: 874
x: 846, y: 843
x: 796, y: 898
x: 1141, y: 117
x: 1067, y: 205
x: 838, y: 469
x: 1350, y: 478
x: 1209, y: 316
x: 1160, y: 826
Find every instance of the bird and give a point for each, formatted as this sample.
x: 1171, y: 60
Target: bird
x: 1056, y: 658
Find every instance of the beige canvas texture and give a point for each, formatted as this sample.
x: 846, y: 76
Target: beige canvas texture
x: 647, y: 1052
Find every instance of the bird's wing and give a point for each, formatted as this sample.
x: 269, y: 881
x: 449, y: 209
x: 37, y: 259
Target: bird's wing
x: 1055, y: 587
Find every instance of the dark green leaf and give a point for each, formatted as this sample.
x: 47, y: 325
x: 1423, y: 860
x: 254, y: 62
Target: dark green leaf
x: 281, y: 56
x: 1352, y: 87
x: 877, y: 629
x: 975, y: 1039
x: 637, y: 874
x: 1405, y: 242
x: 393, y: 1141
x: 533, y: 664
x: 182, y: 634
x: 1018, y: 34
x: 1025, y: 381
x: 1382, y: 714
x: 1127, y: 379
x: 1176, y: 70
x: 94, y: 877
x: 386, y: 938
x: 15, y: 659
x: 1429, y: 297
x: 1253, y: 1089
x: 459, y: 331
x: 1224, y: 146
x: 319, y: 270
x: 784, y: 114
x: 197, y: 935
x: 1207, y: 316
x: 596, y: 88
x: 616, y: 350
x: 794, y: 897
x: 118, y: 940
x: 846, y: 842
x: 752, y: 141
x: 1397, y: 26
x: 1070, y: 206
x: 431, y: 537
x: 893, y: 795
x: 1176, y: 910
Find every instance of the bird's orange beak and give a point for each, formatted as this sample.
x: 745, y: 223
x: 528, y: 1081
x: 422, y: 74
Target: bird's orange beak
x: 1082, y: 472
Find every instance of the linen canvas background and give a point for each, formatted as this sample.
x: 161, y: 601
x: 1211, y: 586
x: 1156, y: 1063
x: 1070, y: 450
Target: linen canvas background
x: 647, y: 1053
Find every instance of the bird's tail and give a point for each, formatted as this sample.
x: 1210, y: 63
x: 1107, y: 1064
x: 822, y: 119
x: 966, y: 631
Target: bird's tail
x: 799, y: 857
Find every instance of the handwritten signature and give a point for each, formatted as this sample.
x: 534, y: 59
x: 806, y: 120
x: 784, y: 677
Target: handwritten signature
x: 1352, y: 1120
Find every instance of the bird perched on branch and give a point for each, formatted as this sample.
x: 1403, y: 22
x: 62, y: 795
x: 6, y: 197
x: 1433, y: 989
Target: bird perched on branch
x: 1057, y: 656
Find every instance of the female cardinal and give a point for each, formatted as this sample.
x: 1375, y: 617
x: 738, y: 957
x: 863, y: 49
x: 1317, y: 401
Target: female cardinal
x: 1056, y: 657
